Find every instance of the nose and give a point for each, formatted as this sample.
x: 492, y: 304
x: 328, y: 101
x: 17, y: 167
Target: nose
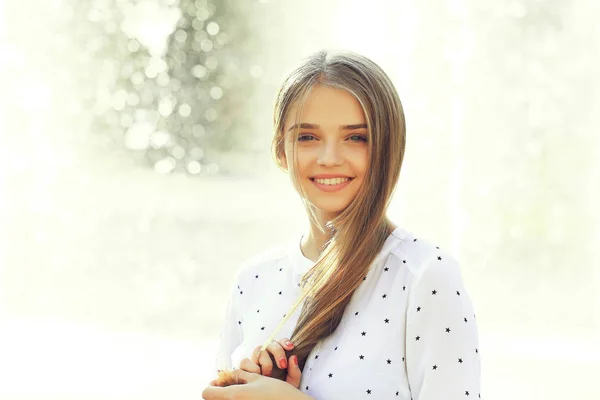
x: 330, y: 155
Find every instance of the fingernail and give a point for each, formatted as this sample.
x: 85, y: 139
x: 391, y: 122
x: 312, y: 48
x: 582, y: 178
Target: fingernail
x: 283, y: 362
x: 295, y: 360
x: 289, y: 344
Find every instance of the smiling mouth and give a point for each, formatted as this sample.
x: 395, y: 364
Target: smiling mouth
x: 331, y: 181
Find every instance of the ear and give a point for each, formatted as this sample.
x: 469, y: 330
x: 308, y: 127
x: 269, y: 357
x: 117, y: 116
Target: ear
x: 283, y: 160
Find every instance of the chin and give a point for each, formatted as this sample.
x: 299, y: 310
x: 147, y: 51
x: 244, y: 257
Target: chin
x: 328, y: 208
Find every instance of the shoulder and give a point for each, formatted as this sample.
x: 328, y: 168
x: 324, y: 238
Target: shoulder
x: 262, y: 261
x: 424, y: 259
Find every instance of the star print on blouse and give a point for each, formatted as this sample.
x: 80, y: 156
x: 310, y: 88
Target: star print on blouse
x: 435, y: 301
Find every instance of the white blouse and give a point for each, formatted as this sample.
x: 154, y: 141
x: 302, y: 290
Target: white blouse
x: 409, y: 331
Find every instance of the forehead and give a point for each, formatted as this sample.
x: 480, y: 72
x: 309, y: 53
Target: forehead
x: 328, y: 107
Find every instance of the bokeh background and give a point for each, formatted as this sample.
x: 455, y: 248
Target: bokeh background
x: 135, y: 177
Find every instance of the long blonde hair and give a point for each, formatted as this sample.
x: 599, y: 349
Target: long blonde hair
x: 359, y: 231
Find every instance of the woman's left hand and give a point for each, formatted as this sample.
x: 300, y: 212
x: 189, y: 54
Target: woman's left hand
x: 258, y: 387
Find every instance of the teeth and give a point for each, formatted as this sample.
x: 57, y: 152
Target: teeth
x: 334, y: 181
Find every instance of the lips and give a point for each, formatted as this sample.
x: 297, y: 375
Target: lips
x: 331, y: 181
x: 329, y: 176
x: 331, y: 185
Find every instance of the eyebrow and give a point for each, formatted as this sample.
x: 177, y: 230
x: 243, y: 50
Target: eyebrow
x: 315, y: 126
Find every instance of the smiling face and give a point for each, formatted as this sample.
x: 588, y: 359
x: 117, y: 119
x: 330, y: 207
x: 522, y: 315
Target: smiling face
x: 332, y: 148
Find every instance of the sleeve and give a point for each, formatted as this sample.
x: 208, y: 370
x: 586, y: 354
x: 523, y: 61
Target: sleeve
x: 230, y: 335
x: 442, y: 350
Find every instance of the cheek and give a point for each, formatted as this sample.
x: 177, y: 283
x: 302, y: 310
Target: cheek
x: 360, y: 161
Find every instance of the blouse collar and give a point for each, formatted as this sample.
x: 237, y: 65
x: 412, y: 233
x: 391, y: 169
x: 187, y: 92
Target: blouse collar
x: 301, y: 264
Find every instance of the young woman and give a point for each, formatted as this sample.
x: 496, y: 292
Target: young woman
x: 381, y: 314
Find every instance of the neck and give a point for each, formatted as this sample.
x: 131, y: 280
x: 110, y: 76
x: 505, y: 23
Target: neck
x: 314, y: 240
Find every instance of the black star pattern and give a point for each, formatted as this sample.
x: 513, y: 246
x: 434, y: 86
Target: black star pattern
x: 427, y: 323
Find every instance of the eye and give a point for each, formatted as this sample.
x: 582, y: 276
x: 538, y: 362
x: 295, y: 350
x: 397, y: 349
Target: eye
x: 303, y: 137
x: 358, y: 138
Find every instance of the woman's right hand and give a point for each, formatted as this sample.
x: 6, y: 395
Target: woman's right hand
x: 261, y: 362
